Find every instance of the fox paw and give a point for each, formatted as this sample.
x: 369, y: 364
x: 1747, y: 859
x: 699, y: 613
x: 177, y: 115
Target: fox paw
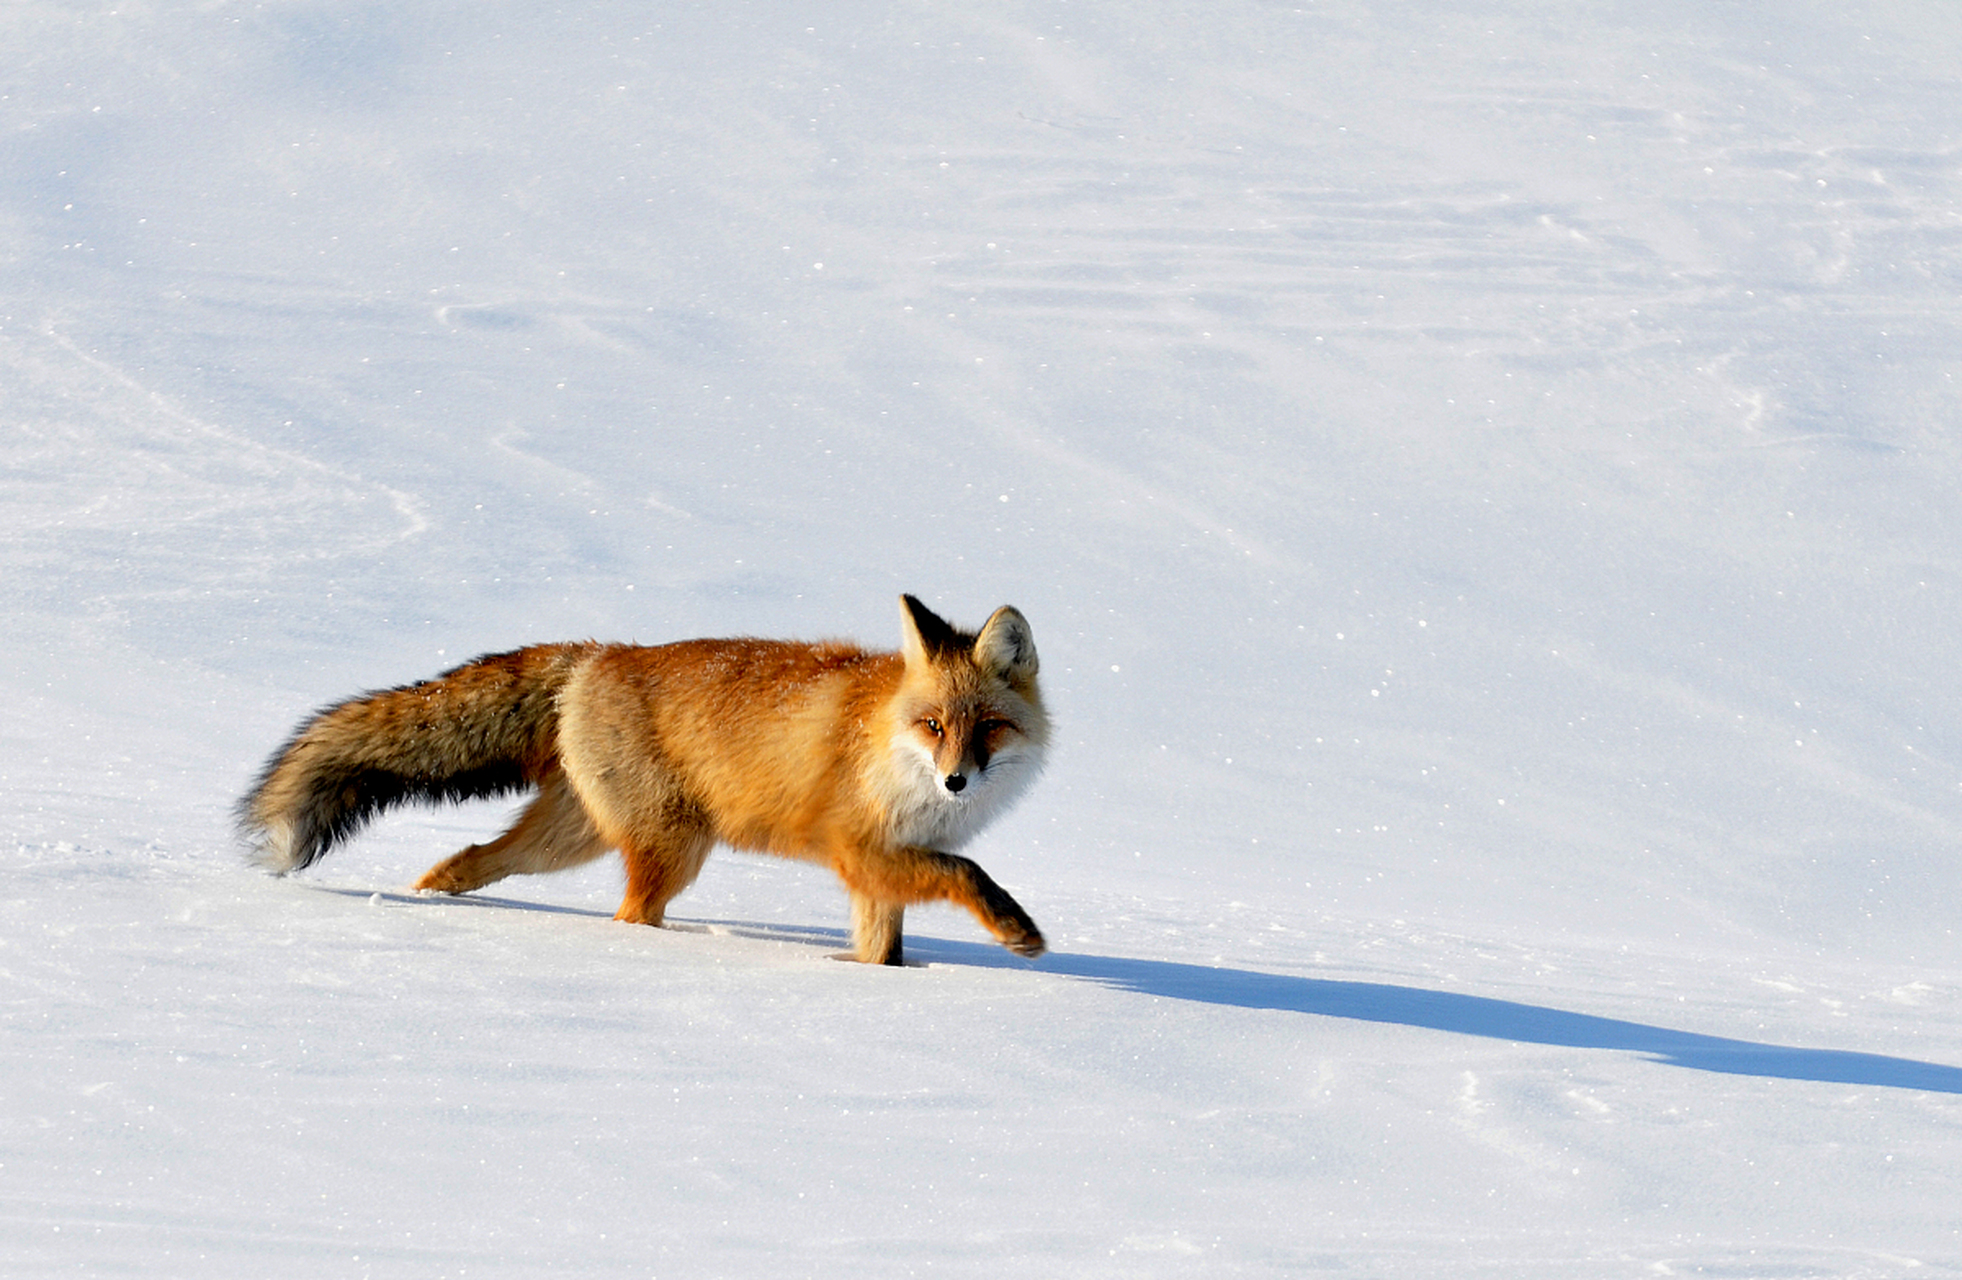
x: 1028, y: 944
x: 625, y: 916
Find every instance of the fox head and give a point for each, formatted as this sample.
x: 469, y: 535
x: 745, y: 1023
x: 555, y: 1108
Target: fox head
x: 970, y: 729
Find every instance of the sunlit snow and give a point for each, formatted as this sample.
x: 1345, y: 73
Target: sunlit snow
x: 1485, y: 483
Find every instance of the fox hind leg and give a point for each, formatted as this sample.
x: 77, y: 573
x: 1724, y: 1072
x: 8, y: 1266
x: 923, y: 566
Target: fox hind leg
x: 661, y: 866
x: 552, y: 833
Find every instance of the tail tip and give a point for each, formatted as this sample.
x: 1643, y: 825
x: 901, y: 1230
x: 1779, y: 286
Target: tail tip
x: 274, y: 849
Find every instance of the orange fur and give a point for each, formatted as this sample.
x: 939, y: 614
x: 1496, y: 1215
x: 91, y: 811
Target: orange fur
x: 878, y: 765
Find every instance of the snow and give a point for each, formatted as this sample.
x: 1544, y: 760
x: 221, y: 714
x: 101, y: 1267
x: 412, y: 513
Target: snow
x: 1484, y: 485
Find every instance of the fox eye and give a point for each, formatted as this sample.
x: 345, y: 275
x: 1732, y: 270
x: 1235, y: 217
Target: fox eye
x: 932, y: 726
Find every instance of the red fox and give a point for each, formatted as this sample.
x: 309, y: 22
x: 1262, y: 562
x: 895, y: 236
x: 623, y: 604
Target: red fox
x: 879, y: 765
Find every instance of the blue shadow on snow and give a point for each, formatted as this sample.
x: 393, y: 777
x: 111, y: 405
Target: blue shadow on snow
x: 1462, y: 1015
x: 1366, y: 1002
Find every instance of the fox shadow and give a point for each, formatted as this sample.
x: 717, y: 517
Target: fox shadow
x: 1381, y: 1002
x: 1461, y: 1014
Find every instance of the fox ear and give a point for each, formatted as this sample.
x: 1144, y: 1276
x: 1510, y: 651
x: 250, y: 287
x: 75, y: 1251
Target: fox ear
x: 926, y: 632
x: 1006, y: 645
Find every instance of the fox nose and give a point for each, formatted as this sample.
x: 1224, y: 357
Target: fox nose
x: 956, y: 782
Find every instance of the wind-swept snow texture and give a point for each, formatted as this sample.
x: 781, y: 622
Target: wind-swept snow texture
x: 1486, y: 482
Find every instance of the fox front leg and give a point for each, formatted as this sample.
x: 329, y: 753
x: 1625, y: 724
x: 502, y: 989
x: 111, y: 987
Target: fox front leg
x: 1002, y: 915
x: 876, y: 929
x: 880, y: 891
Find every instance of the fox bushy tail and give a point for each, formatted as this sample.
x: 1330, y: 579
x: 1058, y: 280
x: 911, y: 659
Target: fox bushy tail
x: 483, y: 729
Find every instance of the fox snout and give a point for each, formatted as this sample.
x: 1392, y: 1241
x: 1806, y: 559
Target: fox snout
x: 957, y: 773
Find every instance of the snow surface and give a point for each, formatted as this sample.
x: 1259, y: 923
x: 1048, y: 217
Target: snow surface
x: 1485, y: 482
